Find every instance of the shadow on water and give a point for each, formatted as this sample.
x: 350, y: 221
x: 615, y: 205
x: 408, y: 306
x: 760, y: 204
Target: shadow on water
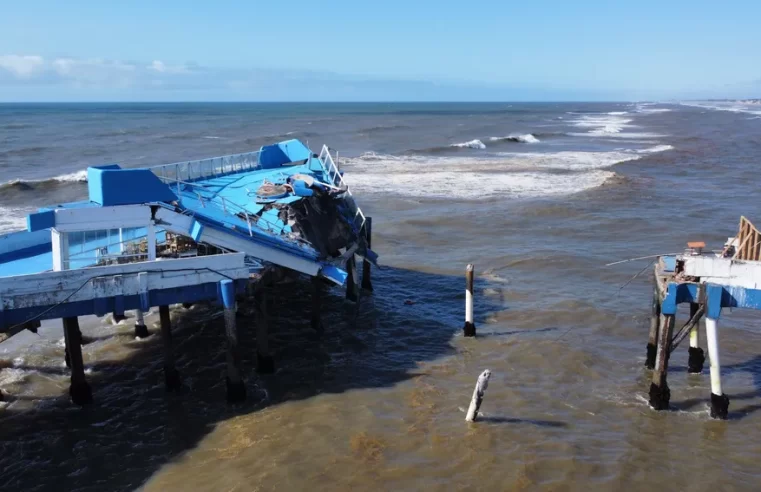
x: 134, y: 427
x: 512, y: 420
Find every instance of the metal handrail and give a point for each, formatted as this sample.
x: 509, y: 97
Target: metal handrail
x: 184, y: 172
x: 334, y: 174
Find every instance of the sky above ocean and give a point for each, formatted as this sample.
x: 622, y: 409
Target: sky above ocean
x: 390, y: 51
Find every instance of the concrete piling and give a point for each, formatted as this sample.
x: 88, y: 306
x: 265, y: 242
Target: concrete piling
x: 655, y: 319
x: 697, y: 357
x: 79, y: 390
x: 265, y: 364
x: 660, y: 395
x: 469, y: 330
x: 351, y: 279
x: 366, y: 280
x: 478, y: 396
x: 719, y: 401
x: 141, y: 330
x: 236, y: 389
x: 171, y: 376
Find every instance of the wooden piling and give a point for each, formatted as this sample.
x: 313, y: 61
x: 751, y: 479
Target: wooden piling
x: 236, y: 389
x: 660, y: 395
x: 469, y: 330
x: 478, y: 396
x: 171, y: 376
x: 719, y: 401
x: 366, y: 280
x: 316, y: 320
x: 351, y: 279
x: 265, y: 364
x: 655, y: 317
x: 79, y: 390
x: 141, y: 330
x: 697, y: 357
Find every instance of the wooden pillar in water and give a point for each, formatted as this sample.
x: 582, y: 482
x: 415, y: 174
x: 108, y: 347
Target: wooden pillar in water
x: 367, y: 283
x: 469, y: 330
x: 316, y: 320
x: 265, y: 364
x: 696, y: 355
x: 236, y: 389
x: 655, y: 321
x: 660, y: 394
x: 351, y: 279
x: 171, y: 376
x: 79, y: 390
x: 719, y: 401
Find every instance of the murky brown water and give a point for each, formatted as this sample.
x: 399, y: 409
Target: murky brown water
x: 377, y: 402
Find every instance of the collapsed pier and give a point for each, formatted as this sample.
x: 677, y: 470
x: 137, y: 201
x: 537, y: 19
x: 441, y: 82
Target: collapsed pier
x: 207, y: 230
x: 708, y: 282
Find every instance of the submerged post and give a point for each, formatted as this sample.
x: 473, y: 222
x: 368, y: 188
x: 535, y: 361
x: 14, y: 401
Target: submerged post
x: 660, y: 394
x: 265, y: 364
x: 366, y: 280
x: 478, y: 396
x: 719, y: 401
x: 351, y: 279
x: 236, y: 390
x: 469, y: 329
x: 141, y: 331
x: 696, y: 355
x: 655, y: 319
x: 316, y: 320
x: 79, y: 390
x: 171, y: 376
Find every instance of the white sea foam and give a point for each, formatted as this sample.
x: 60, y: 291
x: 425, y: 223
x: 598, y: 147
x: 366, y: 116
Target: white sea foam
x: 13, y: 218
x: 76, y: 177
x: 733, y: 106
x: 525, y: 138
x: 473, y: 144
x: 511, y: 175
x: 657, y: 148
x: 618, y: 113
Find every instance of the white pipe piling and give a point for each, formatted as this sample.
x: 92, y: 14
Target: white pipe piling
x: 478, y: 396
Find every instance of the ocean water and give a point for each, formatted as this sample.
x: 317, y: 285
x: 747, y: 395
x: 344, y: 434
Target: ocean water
x: 540, y: 197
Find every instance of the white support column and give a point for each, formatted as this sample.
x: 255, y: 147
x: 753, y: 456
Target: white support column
x: 121, y: 240
x: 60, y: 250
x: 694, y: 337
x: 151, y: 238
x: 713, y: 354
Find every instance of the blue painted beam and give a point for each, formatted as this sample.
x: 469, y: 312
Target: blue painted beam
x: 717, y: 297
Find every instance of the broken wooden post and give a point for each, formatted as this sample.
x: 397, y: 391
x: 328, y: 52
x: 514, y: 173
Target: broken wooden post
x: 719, y: 401
x: 478, y: 396
x: 655, y: 319
x: 171, y: 376
x: 316, y: 320
x: 236, y: 390
x: 265, y: 364
x: 469, y: 329
x: 79, y: 390
x: 660, y: 395
x: 696, y: 357
x: 351, y: 279
x: 366, y: 281
x: 141, y: 330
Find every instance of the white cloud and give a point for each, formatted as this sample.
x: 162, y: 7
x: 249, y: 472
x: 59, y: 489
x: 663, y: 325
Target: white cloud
x: 161, y: 67
x: 22, y: 66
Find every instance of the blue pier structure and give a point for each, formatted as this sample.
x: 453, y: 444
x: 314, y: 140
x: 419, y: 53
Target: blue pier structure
x: 707, y: 282
x: 182, y: 233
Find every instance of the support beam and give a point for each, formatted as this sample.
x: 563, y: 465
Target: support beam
x: 719, y: 401
x: 60, y: 242
x: 236, y: 389
x: 469, y: 330
x: 351, y: 280
x: 141, y: 330
x: 655, y: 317
x: 265, y: 364
x: 660, y: 395
x: 366, y: 280
x: 316, y: 320
x: 79, y: 390
x: 696, y: 356
x: 171, y: 376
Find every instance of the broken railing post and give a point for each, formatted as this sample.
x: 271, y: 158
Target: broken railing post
x: 719, y: 401
x: 236, y: 389
x: 469, y: 329
x: 171, y: 376
x: 141, y: 331
x: 696, y: 357
x: 265, y: 364
x: 478, y: 396
x: 79, y: 390
x: 655, y: 319
x: 366, y: 280
x: 351, y: 279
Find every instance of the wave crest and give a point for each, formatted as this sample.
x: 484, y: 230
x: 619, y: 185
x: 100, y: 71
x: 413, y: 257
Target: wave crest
x: 472, y: 144
x: 526, y: 138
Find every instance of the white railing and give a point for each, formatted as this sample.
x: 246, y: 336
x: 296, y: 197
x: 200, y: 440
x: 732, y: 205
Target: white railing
x: 336, y: 179
x: 180, y: 173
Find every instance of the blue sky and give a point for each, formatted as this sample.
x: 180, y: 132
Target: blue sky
x: 388, y: 50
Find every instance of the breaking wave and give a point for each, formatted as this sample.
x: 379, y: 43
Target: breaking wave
x: 473, y: 144
x: 29, y: 184
x: 527, y: 138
